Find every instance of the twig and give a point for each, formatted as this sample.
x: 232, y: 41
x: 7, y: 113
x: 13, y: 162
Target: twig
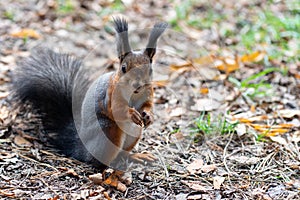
x: 39, y: 163
x: 225, y: 156
x: 24, y: 178
x: 162, y: 162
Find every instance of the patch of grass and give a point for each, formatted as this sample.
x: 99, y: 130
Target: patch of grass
x: 210, y: 18
x: 182, y: 11
x: 261, y: 137
x: 207, y: 125
x: 255, y: 85
x: 275, y: 31
x: 9, y: 15
x: 175, y: 131
x: 115, y: 7
x: 65, y: 6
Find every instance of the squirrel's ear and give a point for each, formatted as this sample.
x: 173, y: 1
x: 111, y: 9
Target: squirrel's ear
x: 121, y: 27
x: 156, y: 32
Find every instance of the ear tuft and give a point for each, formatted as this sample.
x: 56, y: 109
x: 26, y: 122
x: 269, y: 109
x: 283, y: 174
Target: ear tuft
x: 121, y: 27
x: 156, y: 32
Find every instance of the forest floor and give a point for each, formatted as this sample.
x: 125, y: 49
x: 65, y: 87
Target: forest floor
x: 227, y: 90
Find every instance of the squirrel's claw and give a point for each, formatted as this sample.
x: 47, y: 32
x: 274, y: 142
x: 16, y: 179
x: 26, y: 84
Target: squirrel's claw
x: 136, y: 117
x: 147, y: 118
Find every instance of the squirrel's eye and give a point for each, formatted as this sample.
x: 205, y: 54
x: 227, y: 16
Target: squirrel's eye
x: 123, y: 68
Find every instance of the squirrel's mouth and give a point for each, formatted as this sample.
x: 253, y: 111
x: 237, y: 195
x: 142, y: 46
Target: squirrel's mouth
x: 137, y: 90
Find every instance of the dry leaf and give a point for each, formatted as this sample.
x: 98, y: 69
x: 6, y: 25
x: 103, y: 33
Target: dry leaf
x: 217, y: 181
x: 208, y: 168
x: 244, y: 160
x: 205, y: 105
x: 25, y: 33
x: 195, y: 185
x: 241, y: 129
x: 194, y: 197
x: 253, y: 119
x: 72, y: 172
x: 279, y: 140
x: 297, y: 76
x: 205, y: 60
x: 177, y: 112
x: 195, y: 166
x: 20, y: 141
x: 204, y: 90
x: 3, y: 94
x: 296, y: 137
x: 207, y: 73
x: 272, y: 130
x: 227, y: 65
x: 288, y: 113
x: 96, y: 178
x: 187, y: 66
x: 177, y: 137
x: 253, y: 57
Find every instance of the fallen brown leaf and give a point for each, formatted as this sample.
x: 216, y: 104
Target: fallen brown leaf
x: 205, y: 105
x: 241, y: 129
x: 177, y: 112
x: 217, y: 181
x: 208, y: 168
x: 227, y: 65
x: 253, y: 57
x: 288, y: 113
x: 195, y: 166
x: 20, y: 141
x: 195, y: 185
x: 244, y: 160
x: 24, y: 33
x: 204, y: 90
x: 72, y: 172
x: 96, y: 178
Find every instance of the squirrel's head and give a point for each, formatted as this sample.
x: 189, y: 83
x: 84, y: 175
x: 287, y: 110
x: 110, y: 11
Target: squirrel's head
x: 135, y: 68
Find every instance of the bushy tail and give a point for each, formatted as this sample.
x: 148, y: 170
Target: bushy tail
x: 47, y: 79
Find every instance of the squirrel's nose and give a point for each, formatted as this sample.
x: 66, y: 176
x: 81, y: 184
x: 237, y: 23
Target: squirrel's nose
x: 136, y: 85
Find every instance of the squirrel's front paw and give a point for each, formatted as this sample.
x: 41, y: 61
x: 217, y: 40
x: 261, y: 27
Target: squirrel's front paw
x: 136, y: 117
x: 147, y: 118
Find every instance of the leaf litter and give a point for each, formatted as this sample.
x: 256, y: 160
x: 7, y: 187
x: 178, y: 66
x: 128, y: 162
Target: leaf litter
x: 256, y: 159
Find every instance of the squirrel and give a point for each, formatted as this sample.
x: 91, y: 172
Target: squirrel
x: 91, y: 121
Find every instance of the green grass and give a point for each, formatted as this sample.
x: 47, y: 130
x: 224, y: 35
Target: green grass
x: 9, y: 15
x: 115, y: 7
x: 274, y: 31
x: 65, y: 6
x: 259, y: 28
x: 255, y: 86
x: 208, y: 125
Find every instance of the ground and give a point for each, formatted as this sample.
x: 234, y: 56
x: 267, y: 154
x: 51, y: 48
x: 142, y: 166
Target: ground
x: 227, y: 89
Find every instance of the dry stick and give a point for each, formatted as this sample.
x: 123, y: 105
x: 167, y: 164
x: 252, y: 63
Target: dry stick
x: 162, y: 162
x: 24, y: 178
x: 298, y: 152
x: 225, y: 156
x: 261, y: 166
x: 39, y: 163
